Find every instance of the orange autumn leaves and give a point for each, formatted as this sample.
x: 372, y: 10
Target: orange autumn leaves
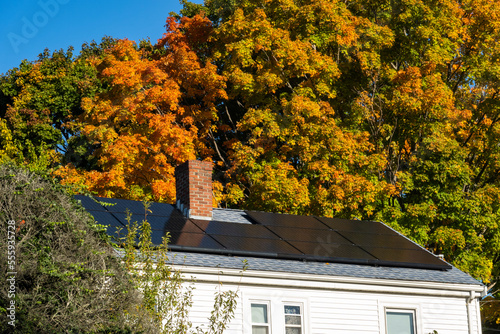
x: 150, y: 118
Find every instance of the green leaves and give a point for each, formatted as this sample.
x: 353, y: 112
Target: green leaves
x: 39, y: 103
x: 62, y: 261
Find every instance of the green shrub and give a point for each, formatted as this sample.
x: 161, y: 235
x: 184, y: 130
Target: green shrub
x: 67, y: 276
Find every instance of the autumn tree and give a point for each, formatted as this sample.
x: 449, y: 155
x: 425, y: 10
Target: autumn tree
x: 157, y: 113
x: 38, y: 102
x: 287, y: 148
x: 430, y: 105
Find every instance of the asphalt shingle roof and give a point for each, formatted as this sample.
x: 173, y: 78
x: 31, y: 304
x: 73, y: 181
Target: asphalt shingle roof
x: 230, y: 216
x: 319, y: 268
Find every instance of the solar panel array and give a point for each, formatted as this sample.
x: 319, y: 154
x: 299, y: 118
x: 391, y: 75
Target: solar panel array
x: 349, y: 241
x: 271, y: 235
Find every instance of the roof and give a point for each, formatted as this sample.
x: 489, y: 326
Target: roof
x: 453, y: 276
x: 230, y: 215
x: 282, y: 243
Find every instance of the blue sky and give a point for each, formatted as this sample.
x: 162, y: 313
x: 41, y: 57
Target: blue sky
x: 27, y: 27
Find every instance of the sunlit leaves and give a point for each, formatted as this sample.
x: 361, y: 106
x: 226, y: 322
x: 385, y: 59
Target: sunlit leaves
x: 39, y: 101
x: 156, y: 114
x: 282, y: 67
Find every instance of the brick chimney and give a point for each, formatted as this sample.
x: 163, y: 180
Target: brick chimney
x: 193, y: 186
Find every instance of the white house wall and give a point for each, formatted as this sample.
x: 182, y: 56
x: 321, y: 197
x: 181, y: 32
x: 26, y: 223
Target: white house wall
x: 336, y: 307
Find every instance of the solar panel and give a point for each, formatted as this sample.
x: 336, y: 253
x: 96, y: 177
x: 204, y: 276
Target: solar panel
x: 106, y: 218
x: 162, y: 209
x: 175, y: 228
x: 89, y: 204
x: 121, y: 205
x: 308, y: 235
x: 114, y: 228
x: 255, y: 245
x: 356, y: 226
x: 386, y: 245
x: 379, y: 240
x: 232, y: 229
x: 181, y: 226
x: 333, y: 251
x: 271, y: 235
x: 157, y: 219
x: 272, y: 219
x: 407, y: 258
x: 156, y: 222
x: 197, y: 240
x: 157, y: 237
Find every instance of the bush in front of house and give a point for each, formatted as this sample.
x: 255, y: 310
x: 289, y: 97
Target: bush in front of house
x: 60, y: 273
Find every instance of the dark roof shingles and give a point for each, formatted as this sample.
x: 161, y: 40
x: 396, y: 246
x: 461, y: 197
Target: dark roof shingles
x: 454, y: 276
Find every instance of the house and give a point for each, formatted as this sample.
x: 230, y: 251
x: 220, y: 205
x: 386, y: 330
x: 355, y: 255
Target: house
x: 306, y: 275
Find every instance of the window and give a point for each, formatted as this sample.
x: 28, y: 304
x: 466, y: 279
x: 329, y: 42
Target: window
x: 260, y: 318
x: 293, y: 319
x: 269, y: 314
x: 400, y: 321
x: 399, y: 317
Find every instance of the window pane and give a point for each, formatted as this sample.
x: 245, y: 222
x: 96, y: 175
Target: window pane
x: 292, y: 309
x: 292, y: 320
x: 399, y: 323
x: 260, y: 330
x: 259, y: 313
x: 293, y: 330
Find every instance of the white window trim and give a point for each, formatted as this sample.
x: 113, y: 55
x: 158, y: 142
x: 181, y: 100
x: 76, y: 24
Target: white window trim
x: 384, y: 306
x: 276, y: 306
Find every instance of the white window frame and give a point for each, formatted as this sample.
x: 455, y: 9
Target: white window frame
x: 301, y: 315
x: 408, y: 311
x: 387, y: 306
x: 269, y: 319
